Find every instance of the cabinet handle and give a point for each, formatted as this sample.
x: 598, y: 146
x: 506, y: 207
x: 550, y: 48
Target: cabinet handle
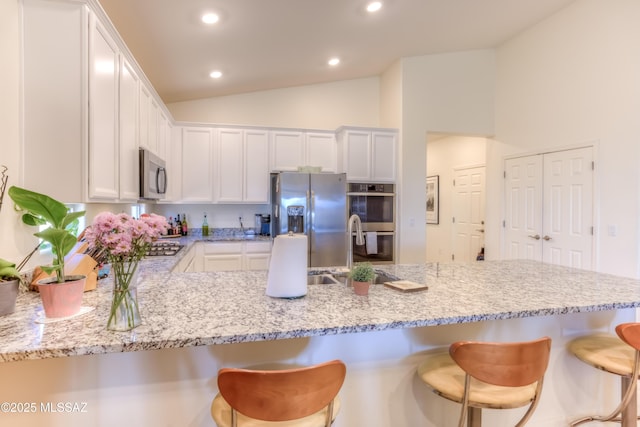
x: 547, y: 238
x: 537, y: 236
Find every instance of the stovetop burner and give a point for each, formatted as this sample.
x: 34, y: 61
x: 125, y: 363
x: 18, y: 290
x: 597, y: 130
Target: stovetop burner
x: 164, y: 248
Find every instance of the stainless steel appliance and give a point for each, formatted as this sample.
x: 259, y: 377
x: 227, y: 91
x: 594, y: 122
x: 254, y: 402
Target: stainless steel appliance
x: 153, y: 176
x: 375, y: 204
x: 313, y: 204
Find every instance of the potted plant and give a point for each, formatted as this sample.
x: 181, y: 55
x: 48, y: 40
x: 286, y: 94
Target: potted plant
x: 10, y: 281
x: 61, y: 295
x: 362, y: 274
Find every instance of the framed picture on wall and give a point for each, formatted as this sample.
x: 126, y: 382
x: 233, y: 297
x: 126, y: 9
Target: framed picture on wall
x: 433, y: 199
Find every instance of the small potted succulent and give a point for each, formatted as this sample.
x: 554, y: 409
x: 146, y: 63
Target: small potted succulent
x: 61, y: 295
x: 10, y: 281
x: 362, y: 274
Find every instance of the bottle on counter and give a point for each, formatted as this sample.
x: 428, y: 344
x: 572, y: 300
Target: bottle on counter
x: 185, y: 226
x: 170, y: 227
x: 205, y: 226
x: 178, y: 226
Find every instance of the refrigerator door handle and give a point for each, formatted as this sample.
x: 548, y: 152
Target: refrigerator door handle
x: 276, y: 211
x: 307, y: 226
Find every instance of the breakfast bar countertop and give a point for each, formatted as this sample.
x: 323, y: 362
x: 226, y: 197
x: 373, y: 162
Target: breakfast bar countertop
x: 194, y: 309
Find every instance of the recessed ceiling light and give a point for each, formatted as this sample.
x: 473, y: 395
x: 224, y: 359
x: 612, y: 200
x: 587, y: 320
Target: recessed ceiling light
x: 374, y: 6
x: 210, y: 18
x: 334, y: 61
x: 215, y: 74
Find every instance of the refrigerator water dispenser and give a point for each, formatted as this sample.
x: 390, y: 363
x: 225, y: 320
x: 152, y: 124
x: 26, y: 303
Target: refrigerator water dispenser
x: 295, y: 215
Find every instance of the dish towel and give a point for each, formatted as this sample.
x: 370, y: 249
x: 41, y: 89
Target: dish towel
x: 372, y: 242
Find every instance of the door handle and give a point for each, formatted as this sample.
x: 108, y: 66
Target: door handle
x: 480, y: 230
x: 547, y: 238
x: 537, y: 236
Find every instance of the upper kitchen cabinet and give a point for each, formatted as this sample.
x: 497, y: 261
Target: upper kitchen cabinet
x: 291, y: 149
x: 129, y: 165
x: 82, y: 105
x: 242, y: 166
x: 55, y: 96
x: 368, y: 154
x: 103, y: 113
x: 197, y: 162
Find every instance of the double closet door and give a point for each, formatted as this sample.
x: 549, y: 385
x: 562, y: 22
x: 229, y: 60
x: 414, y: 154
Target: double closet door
x: 549, y: 208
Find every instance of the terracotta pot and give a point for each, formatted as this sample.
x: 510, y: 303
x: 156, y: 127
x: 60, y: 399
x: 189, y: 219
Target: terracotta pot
x: 361, y: 288
x: 62, y: 299
x: 8, y: 295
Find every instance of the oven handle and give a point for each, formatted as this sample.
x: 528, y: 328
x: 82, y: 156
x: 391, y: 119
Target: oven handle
x: 379, y: 233
x: 371, y: 194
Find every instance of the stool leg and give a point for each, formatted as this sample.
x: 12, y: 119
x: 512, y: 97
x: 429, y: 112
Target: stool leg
x: 474, y: 417
x: 629, y: 412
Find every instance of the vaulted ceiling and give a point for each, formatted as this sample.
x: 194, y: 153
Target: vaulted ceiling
x: 269, y: 44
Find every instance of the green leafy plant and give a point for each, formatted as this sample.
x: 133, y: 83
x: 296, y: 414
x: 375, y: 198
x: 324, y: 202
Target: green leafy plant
x: 362, y: 272
x: 8, y: 271
x: 40, y: 209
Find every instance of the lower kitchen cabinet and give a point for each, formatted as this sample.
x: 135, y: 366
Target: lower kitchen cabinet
x: 227, y: 256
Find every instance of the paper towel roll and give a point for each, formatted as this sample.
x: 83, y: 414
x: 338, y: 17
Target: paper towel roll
x: 288, y: 266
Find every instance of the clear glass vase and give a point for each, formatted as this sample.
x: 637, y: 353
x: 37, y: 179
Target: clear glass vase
x: 124, y: 314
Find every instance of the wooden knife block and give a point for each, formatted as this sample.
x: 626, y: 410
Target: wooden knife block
x: 75, y: 263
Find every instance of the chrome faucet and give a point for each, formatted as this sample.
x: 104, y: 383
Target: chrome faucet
x: 354, y: 219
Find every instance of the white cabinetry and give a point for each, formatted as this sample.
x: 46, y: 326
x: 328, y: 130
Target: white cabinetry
x: 368, y: 154
x: 197, y: 161
x: 129, y: 80
x: 103, y: 113
x: 242, y: 173
x: 291, y: 149
x: 234, y: 256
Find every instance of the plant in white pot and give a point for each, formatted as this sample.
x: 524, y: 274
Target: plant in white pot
x: 10, y: 281
x: 362, y: 274
x: 61, y: 295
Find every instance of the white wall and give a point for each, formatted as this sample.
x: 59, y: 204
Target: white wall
x: 443, y: 155
x: 451, y: 93
x: 574, y: 79
x: 10, y: 247
x: 322, y: 106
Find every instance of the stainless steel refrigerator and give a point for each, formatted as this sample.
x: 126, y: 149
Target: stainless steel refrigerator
x: 314, y: 204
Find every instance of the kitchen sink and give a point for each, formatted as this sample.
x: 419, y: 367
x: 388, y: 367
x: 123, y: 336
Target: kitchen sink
x: 321, y: 279
x: 326, y: 278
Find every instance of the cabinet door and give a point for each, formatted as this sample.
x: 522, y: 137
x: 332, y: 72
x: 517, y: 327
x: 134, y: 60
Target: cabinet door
x: 256, y: 166
x: 143, y: 116
x: 223, y: 256
x: 230, y: 170
x: 322, y: 150
x: 288, y: 150
x: 197, y: 156
x: 161, y: 137
x: 174, y: 164
x: 358, y: 155
x: 129, y: 187
x: 256, y: 261
x: 383, y: 156
x: 152, y: 132
x: 103, y: 114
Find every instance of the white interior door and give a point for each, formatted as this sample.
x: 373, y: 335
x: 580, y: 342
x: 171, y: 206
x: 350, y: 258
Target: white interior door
x: 468, y: 213
x: 568, y: 208
x: 549, y: 208
x: 523, y: 204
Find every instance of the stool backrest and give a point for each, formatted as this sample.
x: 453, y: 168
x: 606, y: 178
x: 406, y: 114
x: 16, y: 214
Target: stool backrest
x: 629, y: 333
x: 281, y: 395
x: 504, y: 364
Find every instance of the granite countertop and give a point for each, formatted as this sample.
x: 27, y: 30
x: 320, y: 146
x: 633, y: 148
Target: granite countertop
x: 191, y: 309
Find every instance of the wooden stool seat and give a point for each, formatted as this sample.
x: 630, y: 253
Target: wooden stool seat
x: 301, y: 397
x: 488, y: 375
x: 441, y: 373
x: 605, y: 352
x: 617, y: 355
x: 221, y: 413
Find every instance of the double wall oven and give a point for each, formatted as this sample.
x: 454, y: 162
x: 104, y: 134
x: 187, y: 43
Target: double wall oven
x: 375, y: 204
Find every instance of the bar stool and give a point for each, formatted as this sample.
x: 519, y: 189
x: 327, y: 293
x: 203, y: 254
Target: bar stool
x: 488, y: 375
x: 305, y: 397
x: 618, y: 356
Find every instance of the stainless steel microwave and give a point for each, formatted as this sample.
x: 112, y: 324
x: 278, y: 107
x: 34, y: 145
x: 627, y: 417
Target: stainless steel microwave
x: 153, y: 176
